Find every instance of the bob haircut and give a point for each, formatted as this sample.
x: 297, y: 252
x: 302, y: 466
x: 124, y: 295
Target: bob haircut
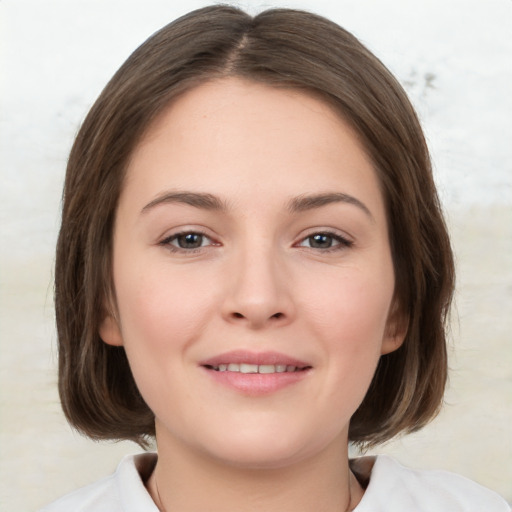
x: 281, y: 48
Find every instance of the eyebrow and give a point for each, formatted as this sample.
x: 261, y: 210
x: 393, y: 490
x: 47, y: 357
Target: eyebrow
x: 310, y: 202
x: 295, y: 205
x: 196, y: 199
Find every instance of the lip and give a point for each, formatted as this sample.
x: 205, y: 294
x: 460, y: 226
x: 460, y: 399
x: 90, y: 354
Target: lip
x: 259, y: 358
x: 254, y: 384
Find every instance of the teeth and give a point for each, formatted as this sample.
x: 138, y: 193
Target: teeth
x: 254, y: 368
x: 248, y: 368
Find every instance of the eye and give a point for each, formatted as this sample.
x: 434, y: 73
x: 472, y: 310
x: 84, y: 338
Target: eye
x: 187, y: 240
x: 325, y: 241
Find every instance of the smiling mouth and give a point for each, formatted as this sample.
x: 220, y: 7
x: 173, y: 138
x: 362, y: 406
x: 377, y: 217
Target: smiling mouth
x: 256, y: 373
x: 256, y: 368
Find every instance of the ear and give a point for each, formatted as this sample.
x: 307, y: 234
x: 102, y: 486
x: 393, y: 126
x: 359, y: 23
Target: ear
x: 110, y: 332
x: 396, y: 329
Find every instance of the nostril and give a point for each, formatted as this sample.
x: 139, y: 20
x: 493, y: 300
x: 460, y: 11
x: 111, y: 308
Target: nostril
x: 236, y: 314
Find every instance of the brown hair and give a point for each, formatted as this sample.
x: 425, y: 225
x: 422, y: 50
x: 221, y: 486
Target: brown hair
x: 282, y: 48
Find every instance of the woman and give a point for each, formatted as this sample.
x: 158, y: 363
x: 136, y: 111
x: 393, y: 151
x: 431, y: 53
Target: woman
x: 253, y: 268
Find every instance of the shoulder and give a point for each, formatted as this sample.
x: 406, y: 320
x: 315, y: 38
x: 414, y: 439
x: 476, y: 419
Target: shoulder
x: 402, y: 489
x: 124, y: 491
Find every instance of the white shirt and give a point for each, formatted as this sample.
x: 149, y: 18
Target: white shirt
x: 392, y: 488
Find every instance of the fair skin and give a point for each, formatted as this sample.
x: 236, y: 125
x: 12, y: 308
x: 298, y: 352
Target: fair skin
x: 251, y: 230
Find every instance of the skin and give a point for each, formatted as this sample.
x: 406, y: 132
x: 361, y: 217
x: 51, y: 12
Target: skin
x: 258, y: 281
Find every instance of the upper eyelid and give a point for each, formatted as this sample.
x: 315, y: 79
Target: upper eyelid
x: 167, y: 243
x: 344, y: 241
x: 185, y: 230
x: 167, y: 240
x: 336, y: 233
x: 329, y: 231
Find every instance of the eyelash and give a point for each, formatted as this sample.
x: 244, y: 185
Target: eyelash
x: 167, y: 242
x: 342, y: 243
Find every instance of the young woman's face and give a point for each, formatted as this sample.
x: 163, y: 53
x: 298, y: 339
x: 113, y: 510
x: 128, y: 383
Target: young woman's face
x: 253, y: 274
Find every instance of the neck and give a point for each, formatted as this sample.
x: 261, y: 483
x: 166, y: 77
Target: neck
x: 188, y: 480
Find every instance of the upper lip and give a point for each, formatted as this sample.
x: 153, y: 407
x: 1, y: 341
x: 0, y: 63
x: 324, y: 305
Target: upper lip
x: 257, y: 358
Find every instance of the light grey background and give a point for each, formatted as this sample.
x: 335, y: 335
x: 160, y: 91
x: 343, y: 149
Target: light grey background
x: 455, y: 59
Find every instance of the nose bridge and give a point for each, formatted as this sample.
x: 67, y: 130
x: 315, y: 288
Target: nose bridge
x: 258, y: 291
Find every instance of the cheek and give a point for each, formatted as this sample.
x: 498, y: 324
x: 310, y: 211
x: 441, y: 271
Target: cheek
x: 160, y: 308
x: 349, y: 313
x: 351, y: 304
x: 159, y: 316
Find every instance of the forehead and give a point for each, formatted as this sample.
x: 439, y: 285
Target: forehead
x: 240, y: 135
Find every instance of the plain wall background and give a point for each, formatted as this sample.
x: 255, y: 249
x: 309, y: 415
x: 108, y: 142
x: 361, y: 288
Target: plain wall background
x: 455, y: 59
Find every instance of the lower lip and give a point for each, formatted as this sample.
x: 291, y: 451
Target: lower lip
x: 255, y: 384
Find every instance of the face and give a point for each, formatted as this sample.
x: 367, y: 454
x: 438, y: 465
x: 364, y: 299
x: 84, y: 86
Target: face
x: 253, y: 275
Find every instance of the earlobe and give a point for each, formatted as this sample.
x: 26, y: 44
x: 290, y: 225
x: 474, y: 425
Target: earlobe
x: 396, y: 329
x: 110, y: 332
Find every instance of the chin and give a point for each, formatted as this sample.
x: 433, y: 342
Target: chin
x: 259, y: 451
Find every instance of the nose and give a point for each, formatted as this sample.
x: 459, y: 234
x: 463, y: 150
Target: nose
x: 258, y: 292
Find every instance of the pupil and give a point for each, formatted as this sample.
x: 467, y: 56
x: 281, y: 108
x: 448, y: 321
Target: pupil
x: 190, y: 241
x: 321, y: 241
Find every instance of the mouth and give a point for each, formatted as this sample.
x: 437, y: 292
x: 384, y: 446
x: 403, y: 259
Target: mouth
x: 256, y: 368
x: 244, y: 361
x: 256, y: 374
